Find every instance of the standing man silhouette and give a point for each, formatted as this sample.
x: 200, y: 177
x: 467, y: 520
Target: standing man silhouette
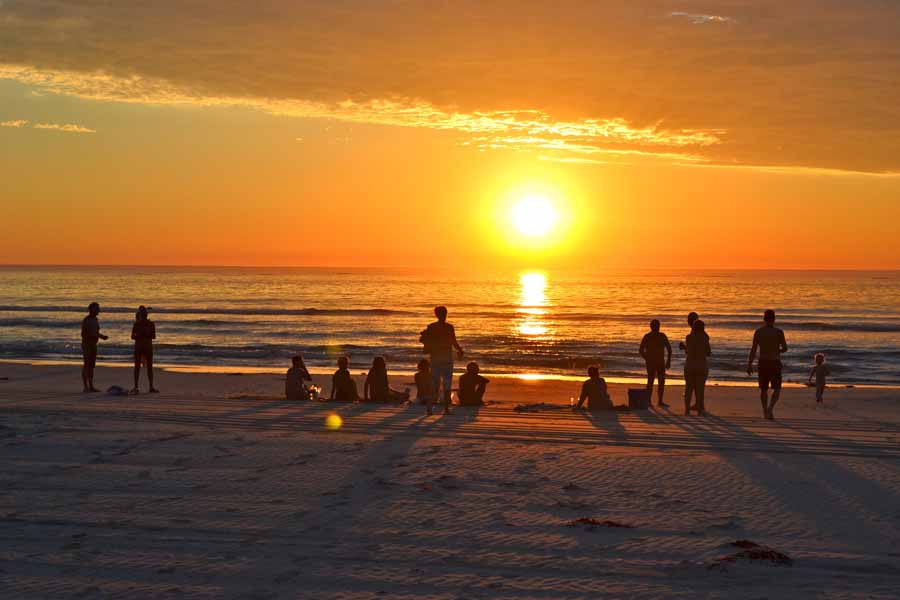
x: 439, y: 341
x: 90, y: 337
x: 771, y: 344
x: 657, y: 353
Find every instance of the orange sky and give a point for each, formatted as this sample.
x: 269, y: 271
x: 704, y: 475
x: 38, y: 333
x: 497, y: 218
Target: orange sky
x: 730, y: 134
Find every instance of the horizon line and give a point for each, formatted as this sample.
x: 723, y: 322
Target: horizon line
x: 418, y: 267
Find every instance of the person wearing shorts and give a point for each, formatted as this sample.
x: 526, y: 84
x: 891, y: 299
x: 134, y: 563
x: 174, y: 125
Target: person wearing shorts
x: 770, y: 342
x: 90, y: 338
x: 439, y: 341
x: 656, y: 351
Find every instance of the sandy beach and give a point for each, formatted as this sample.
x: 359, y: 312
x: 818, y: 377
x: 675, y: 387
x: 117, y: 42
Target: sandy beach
x: 219, y: 488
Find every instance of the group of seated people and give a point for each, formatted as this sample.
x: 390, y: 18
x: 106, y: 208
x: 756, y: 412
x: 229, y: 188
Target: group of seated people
x: 472, y: 385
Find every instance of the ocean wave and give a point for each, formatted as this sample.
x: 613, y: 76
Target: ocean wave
x: 248, y: 312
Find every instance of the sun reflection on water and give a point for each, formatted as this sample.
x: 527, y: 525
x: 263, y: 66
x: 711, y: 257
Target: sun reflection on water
x: 532, y: 305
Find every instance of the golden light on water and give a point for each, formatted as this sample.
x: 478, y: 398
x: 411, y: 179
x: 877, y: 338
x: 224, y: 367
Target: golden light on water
x: 532, y: 303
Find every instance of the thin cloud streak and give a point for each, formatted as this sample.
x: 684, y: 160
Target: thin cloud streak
x: 67, y: 127
x: 17, y: 123
x: 701, y: 19
x: 512, y: 130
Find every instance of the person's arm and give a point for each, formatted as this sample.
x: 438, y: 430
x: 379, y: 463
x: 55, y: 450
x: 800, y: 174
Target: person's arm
x: 583, y: 396
x: 134, y: 331
x: 708, y: 348
x: 333, y: 386
x: 752, y: 356
x: 782, y: 343
x: 152, y: 331
x: 304, y: 372
x: 99, y: 334
x: 455, y: 343
x: 811, y: 373
x: 668, y: 353
x: 642, y: 349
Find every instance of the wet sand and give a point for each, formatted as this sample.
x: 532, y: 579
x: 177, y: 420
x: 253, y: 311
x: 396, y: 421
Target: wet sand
x: 219, y: 488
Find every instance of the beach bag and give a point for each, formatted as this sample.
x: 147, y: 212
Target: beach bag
x: 638, y: 399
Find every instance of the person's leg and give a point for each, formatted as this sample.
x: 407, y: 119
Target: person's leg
x: 84, y: 369
x: 148, y: 362
x: 651, y: 372
x: 448, y: 388
x: 700, y: 391
x: 776, y: 391
x: 137, y: 372
x: 91, y: 365
x: 660, y: 385
x: 820, y: 392
x: 688, y: 392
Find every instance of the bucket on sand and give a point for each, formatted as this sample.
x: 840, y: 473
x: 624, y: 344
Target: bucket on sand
x: 638, y: 399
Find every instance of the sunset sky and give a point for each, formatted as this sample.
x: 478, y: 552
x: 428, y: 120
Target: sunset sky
x: 729, y: 133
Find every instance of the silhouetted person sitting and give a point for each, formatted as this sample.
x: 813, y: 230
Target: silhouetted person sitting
x: 424, y: 385
x: 696, y: 369
x: 439, y: 341
x: 343, y: 386
x: 90, y: 338
x: 472, y: 386
x: 376, y: 388
x: 771, y: 344
x: 294, y: 386
x: 595, y: 391
x: 656, y: 351
x: 143, y: 332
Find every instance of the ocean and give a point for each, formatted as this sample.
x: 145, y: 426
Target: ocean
x: 531, y: 323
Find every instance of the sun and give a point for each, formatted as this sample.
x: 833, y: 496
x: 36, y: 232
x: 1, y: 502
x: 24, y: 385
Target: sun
x: 533, y: 216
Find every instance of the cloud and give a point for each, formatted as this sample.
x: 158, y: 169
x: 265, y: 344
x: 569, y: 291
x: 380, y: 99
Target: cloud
x: 67, y: 127
x: 582, y: 78
x: 518, y: 130
x: 701, y: 19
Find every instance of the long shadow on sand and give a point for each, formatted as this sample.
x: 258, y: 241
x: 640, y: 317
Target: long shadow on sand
x: 822, y: 492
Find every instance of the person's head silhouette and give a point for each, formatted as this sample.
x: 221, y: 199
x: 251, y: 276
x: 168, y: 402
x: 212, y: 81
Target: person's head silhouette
x: 378, y: 364
x: 424, y: 365
x: 769, y: 317
x: 692, y: 316
x: 343, y: 362
x: 698, y: 326
x: 654, y: 325
x: 472, y: 368
x: 93, y: 309
x: 593, y: 371
x: 441, y: 313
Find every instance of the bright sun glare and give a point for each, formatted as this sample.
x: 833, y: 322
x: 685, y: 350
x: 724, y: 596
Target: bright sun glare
x: 533, y: 216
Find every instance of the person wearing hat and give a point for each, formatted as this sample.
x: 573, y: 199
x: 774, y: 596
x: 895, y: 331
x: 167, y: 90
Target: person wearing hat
x: 143, y: 333
x: 90, y: 337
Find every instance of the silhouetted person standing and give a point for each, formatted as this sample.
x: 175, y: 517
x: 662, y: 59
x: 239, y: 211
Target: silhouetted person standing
x: 696, y: 369
x: 90, y: 337
x: 691, y: 318
x: 143, y: 333
x: 657, y: 353
x: 439, y: 341
x: 771, y: 344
